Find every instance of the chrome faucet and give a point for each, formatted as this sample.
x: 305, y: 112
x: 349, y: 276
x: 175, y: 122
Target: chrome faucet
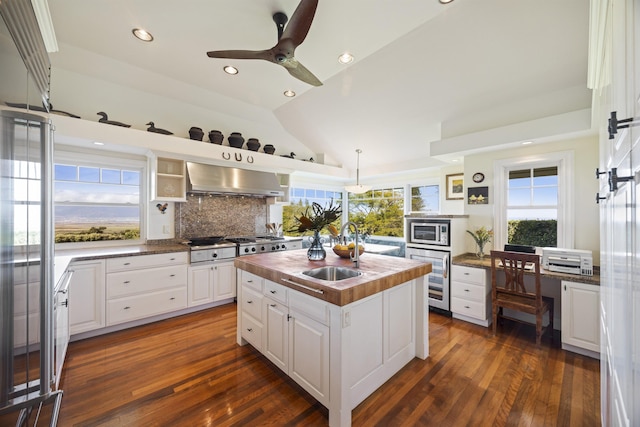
x: 355, y: 256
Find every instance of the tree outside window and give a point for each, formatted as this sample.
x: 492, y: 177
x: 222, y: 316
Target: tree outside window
x: 301, y: 200
x: 378, y: 212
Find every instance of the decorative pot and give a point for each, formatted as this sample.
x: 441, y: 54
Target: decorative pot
x: 269, y: 149
x: 196, y: 133
x: 236, y: 140
x: 253, y: 144
x: 316, y: 251
x: 216, y: 137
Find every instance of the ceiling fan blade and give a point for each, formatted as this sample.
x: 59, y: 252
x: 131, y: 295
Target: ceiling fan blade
x: 300, y: 72
x: 300, y: 22
x: 242, y: 54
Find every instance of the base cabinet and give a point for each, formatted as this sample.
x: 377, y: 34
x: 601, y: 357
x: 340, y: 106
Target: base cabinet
x: 471, y: 294
x: 580, y: 317
x: 87, y: 296
x: 211, y: 282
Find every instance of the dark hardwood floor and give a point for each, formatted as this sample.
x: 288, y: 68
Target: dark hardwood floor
x: 188, y: 371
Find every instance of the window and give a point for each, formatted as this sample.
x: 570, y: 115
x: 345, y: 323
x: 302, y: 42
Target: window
x: 378, y: 212
x: 535, y: 200
x: 98, y: 200
x: 302, y: 198
x: 26, y: 205
x: 425, y: 198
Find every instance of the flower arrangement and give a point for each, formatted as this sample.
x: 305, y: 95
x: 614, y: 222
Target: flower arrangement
x: 481, y: 236
x: 319, y: 217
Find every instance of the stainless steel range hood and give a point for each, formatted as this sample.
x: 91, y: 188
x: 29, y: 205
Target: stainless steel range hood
x: 223, y: 180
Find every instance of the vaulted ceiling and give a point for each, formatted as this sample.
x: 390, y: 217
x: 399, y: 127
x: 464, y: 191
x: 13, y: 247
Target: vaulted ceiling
x: 423, y: 72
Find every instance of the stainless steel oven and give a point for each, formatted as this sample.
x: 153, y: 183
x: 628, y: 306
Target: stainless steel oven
x: 439, y: 278
x: 425, y: 231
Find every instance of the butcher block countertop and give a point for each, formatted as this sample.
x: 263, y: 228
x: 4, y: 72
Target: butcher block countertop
x: 379, y: 273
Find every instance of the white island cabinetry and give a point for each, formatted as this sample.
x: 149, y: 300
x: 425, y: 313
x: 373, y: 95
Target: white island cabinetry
x: 339, y: 354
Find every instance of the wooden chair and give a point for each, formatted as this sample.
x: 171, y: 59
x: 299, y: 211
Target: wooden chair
x: 512, y: 294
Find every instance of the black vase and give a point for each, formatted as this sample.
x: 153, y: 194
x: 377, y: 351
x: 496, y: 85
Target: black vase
x: 236, y: 140
x: 216, y: 137
x: 253, y: 144
x: 269, y: 149
x: 196, y: 133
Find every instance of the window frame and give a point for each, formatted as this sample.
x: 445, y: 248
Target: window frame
x: 564, y: 160
x: 106, y: 160
x: 402, y: 187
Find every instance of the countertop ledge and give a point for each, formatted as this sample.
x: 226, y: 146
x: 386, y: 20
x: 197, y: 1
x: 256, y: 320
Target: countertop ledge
x: 89, y: 254
x: 380, y: 273
x: 471, y: 260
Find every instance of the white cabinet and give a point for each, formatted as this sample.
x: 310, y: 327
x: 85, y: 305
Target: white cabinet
x: 211, y: 282
x: 471, y: 294
x: 581, y: 317
x: 145, y: 285
x: 87, y: 296
x: 168, y: 179
x: 289, y: 328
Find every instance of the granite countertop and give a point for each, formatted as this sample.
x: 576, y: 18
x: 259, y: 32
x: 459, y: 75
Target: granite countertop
x: 380, y: 272
x: 120, y: 251
x: 471, y: 260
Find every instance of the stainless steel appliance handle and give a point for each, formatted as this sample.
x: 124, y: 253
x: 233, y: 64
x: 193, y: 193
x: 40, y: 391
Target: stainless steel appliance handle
x: 445, y: 266
x: 319, y: 291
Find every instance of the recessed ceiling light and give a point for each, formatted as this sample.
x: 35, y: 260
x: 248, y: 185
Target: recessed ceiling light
x: 98, y: 143
x: 527, y: 142
x: 345, y: 58
x: 289, y: 93
x: 143, y: 35
x: 445, y: 1
x: 230, y: 70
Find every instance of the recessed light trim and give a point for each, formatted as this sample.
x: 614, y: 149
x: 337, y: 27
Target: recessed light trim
x: 345, y: 58
x: 445, y: 1
x: 289, y: 93
x: 230, y: 70
x: 98, y: 143
x: 143, y: 35
x: 527, y: 142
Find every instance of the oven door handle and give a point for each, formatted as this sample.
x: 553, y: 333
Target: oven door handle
x: 445, y: 266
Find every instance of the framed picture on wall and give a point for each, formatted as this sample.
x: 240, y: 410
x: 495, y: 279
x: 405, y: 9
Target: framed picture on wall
x: 455, y: 186
x: 478, y: 196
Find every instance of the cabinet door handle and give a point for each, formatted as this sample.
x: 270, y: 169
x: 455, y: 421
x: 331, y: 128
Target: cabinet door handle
x: 273, y: 305
x: 126, y: 282
x: 172, y: 298
x: 172, y: 259
x: 127, y: 263
x: 249, y: 281
x: 466, y: 306
x: 127, y: 308
x: 250, y: 302
x: 466, y: 290
x: 172, y: 275
x: 249, y: 329
x: 273, y: 292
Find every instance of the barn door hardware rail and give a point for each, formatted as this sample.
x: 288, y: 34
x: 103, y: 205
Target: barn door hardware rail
x: 615, y: 124
x: 614, y: 179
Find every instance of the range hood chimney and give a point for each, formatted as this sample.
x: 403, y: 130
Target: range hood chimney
x: 222, y: 180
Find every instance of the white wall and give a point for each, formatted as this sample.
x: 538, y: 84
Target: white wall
x: 586, y: 221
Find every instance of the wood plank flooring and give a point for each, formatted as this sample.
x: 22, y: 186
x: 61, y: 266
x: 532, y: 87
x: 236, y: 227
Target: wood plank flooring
x: 188, y: 371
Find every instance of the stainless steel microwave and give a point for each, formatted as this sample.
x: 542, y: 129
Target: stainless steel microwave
x: 428, y: 232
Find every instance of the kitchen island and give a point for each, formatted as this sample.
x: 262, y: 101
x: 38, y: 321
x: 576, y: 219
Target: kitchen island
x: 339, y: 340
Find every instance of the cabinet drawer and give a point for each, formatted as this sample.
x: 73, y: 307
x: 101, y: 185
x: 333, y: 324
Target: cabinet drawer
x: 145, y: 261
x: 468, y: 274
x: 140, y: 306
x: 275, y: 291
x: 141, y: 281
x: 252, y: 302
x: 251, y: 280
x: 469, y: 291
x: 468, y: 308
x: 309, y: 306
x: 252, y: 331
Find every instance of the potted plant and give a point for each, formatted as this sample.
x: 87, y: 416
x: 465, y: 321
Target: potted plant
x: 315, y: 220
x: 481, y: 236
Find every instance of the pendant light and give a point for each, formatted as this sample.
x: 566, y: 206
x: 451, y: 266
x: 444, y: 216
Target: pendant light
x: 358, y: 188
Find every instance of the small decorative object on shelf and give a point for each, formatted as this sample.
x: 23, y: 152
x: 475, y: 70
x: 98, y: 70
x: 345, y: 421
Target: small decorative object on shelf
x: 316, y: 220
x: 216, y: 137
x: 152, y: 128
x: 481, y: 236
x: 269, y: 149
x: 162, y: 207
x: 253, y: 144
x: 236, y: 140
x: 196, y: 133
x: 290, y: 155
x: 105, y: 119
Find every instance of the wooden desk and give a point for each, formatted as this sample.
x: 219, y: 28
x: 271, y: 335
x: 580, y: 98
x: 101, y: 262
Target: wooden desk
x: 576, y: 303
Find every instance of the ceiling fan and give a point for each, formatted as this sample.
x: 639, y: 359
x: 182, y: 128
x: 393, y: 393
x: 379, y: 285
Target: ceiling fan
x: 289, y: 39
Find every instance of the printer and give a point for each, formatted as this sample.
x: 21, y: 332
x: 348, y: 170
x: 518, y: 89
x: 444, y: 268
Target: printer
x: 572, y: 261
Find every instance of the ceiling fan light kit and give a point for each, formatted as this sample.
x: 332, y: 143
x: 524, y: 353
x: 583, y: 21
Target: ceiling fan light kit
x: 289, y: 38
x: 358, y: 188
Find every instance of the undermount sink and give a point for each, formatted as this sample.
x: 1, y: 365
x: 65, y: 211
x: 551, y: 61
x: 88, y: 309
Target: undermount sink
x: 332, y: 273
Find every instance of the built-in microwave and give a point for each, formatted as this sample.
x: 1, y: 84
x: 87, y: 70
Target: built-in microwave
x: 428, y: 231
